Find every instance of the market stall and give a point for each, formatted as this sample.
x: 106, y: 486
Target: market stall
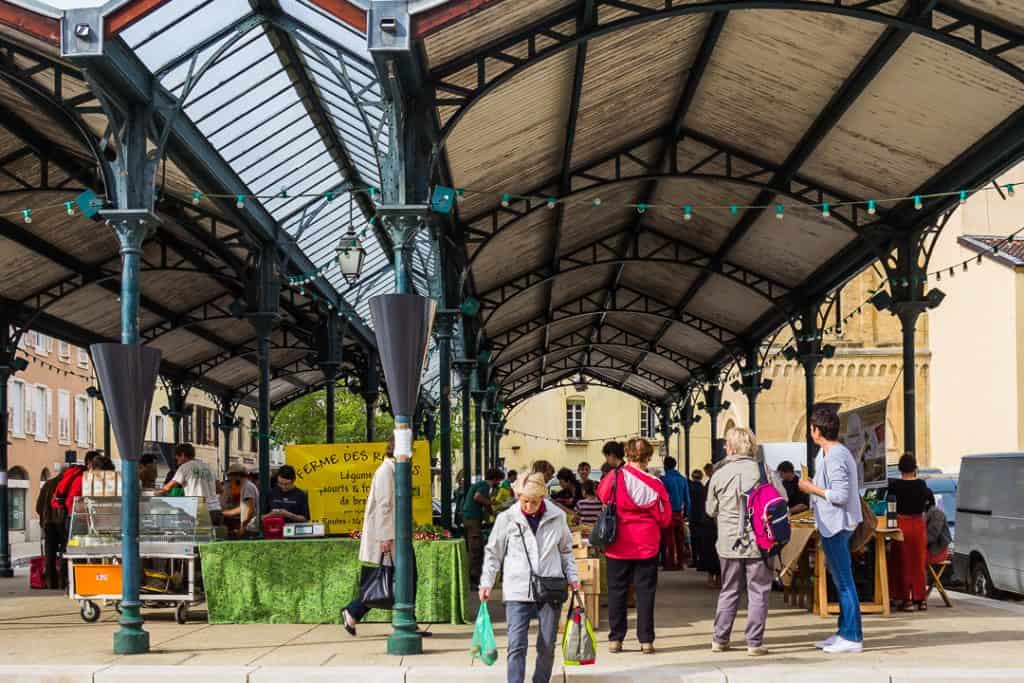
x: 805, y: 573
x: 308, y: 581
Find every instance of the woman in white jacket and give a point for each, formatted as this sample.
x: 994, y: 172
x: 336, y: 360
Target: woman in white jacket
x: 532, y: 537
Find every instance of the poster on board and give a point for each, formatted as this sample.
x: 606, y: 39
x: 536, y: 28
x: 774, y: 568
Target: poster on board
x: 337, y: 478
x: 862, y: 430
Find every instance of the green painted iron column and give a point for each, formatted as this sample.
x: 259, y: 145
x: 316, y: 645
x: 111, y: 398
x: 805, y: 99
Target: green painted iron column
x: 465, y: 368
x: 226, y: 407
x: 443, y: 333
x: 130, y: 638
x: 404, y: 639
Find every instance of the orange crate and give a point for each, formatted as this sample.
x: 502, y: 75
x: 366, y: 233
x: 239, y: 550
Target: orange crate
x: 98, y: 579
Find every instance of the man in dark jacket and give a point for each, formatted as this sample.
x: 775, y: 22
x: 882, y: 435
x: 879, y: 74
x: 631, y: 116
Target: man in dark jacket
x: 51, y: 520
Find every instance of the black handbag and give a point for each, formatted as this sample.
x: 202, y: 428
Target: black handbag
x: 377, y: 585
x: 607, y: 525
x: 545, y: 589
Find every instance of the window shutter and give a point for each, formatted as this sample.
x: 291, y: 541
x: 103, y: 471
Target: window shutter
x: 49, y: 412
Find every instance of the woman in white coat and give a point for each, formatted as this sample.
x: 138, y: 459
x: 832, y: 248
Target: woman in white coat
x: 532, y: 537
x: 378, y: 537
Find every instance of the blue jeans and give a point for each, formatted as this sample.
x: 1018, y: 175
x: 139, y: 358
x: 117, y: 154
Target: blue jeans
x: 517, y: 617
x: 840, y: 568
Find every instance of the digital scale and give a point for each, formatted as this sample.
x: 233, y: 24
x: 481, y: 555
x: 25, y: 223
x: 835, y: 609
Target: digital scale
x: 304, y: 530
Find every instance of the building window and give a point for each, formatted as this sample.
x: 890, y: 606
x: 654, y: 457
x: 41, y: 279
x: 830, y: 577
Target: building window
x: 648, y: 422
x: 64, y: 351
x: 43, y: 344
x: 63, y: 416
x: 574, y: 420
x: 83, y: 358
x: 82, y: 426
x: 241, y: 435
x: 16, y: 407
x: 254, y: 443
x: 16, y: 511
x: 41, y: 412
x: 186, y: 426
x: 158, y: 428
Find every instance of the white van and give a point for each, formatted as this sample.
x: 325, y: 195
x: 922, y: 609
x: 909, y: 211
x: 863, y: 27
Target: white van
x: 990, y: 523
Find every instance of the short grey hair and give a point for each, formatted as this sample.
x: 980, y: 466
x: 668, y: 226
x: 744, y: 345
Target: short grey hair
x: 741, y: 441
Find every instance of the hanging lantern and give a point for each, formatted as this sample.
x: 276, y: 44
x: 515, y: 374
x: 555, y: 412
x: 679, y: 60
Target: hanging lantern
x: 350, y: 253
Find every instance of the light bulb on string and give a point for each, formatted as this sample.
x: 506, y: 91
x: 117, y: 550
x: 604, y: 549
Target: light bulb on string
x: 965, y: 266
x: 505, y: 200
x: 780, y: 211
x: 552, y: 202
x: 826, y: 210
x: 641, y: 207
x: 687, y: 212
x: 979, y: 259
x: 963, y: 197
x: 460, y: 194
x: 1009, y: 189
x: 918, y: 204
x: 197, y: 196
x: 240, y: 201
x: 27, y: 215
x: 871, y: 207
x: 597, y: 201
x: 734, y: 209
x: 70, y: 208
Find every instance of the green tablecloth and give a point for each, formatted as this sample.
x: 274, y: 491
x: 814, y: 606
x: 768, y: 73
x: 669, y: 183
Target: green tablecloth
x: 309, y: 581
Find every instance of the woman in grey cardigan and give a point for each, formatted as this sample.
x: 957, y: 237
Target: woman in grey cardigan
x: 835, y: 498
x: 531, y: 537
x: 743, y: 568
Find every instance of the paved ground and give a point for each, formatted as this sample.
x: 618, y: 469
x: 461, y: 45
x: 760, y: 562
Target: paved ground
x: 975, y: 640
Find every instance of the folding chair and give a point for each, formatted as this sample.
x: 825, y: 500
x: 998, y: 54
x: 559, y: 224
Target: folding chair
x: 937, y: 581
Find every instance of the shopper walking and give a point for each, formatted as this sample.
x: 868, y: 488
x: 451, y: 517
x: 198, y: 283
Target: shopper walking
x: 529, y: 539
x: 907, y: 561
x: 51, y: 521
x: 743, y: 567
x: 836, y: 503
x: 673, y: 539
x: 643, y: 511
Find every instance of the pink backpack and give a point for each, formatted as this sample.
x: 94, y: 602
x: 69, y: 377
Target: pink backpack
x: 768, y: 515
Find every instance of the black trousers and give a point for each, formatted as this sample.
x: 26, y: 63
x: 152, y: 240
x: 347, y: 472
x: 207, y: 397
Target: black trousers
x: 643, y: 575
x: 53, y: 545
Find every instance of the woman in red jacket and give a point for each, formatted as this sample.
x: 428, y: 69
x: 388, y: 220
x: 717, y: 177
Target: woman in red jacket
x: 643, y: 510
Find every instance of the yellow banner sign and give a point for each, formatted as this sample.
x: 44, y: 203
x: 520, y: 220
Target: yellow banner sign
x: 337, y: 479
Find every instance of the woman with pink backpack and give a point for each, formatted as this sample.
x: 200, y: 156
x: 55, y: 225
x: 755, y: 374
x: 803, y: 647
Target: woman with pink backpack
x: 745, y: 552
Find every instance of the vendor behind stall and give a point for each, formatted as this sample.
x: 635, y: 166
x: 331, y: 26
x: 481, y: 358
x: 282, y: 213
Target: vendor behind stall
x: 285, y: 500
x: 240, y: 501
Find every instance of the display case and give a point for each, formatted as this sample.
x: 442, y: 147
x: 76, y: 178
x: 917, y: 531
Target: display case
x: 168, y: 526
x: 170, y: 531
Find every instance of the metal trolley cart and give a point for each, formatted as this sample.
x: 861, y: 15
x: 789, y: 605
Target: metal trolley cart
x: 170, y: 531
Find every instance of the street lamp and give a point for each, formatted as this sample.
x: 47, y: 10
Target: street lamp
x: 350, y: 253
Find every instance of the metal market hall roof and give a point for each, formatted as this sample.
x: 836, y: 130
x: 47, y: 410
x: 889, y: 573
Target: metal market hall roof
x: 649, y: 188
x: 652, y: 187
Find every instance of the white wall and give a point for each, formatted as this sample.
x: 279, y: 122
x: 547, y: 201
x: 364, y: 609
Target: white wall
x: 976, y: 369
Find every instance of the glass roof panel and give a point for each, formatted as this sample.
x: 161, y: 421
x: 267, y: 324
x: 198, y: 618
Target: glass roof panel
x: 178, y: 26
x: 255, y: 115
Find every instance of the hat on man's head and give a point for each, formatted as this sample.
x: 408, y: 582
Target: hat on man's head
x: 237, y: 468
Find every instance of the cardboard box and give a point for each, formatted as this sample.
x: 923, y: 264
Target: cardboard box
x: 590, y: 572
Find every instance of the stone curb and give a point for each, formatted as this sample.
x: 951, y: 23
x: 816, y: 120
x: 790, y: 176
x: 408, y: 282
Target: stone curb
x: 125, y: 673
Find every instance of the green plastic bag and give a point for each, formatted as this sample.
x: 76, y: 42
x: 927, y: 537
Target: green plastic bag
x: 579, y: 645
x: 483, y: 647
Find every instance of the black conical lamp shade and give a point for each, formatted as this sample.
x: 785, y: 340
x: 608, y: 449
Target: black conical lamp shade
x: 402, y: 323
x: 127, y: 374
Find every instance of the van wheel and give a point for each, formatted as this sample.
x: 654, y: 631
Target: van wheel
x: 981, y: 582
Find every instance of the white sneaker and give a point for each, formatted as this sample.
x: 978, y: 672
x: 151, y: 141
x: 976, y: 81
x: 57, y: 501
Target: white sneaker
x: 842, y: 645
x: 822, y: 644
